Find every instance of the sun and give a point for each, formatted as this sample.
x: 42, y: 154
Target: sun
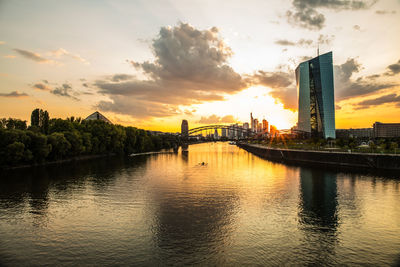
x: 254, y: 99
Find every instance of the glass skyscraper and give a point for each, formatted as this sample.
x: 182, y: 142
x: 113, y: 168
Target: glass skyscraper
x: 314, y: 80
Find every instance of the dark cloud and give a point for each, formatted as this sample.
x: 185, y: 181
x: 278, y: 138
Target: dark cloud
x: 190, y: 67
x: 214, y: 119
x: 32, y: 56
x: 344, y: 71
x: 373, y: 77
x: 137, y: 108
x: 385, y: 12
x: 393, y: 69
x: 281, y: 84
x: 325, y: 39
x: 188, y: 112
x: 13, y: 94
x: 305, y: 14
x: 386, y: 99
x: 322, y: 39
x: 121, y: 77
x: 345, y: 87
x: 42, y: 86
x: 277, y: 79
x: 285, y: 42
x: 305, y: 58
x: 301, y: 42
x: 64, y: 90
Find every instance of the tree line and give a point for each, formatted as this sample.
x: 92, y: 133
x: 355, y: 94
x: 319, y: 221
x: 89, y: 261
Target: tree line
x: 57, y: 139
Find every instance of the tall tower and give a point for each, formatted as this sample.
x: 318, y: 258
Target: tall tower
x: 314, y: 81
x: 252, y: 121
x: 185, y: 129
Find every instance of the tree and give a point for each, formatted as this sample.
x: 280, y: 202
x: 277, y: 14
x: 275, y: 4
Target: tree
x: 38, y: 145
x: 15, y: 124
x: 74, y: 138
x: 130, y: 140
x: 372, y: 146
x: 45, y: 122
x: 40, y: 120
x: 35, y: 118
x: 15, y: 152
x: 393, y: 146
x: 59, y: 146
x: 3, y: 123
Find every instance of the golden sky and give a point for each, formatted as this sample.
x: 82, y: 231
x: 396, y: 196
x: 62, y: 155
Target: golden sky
x: 151, y: 64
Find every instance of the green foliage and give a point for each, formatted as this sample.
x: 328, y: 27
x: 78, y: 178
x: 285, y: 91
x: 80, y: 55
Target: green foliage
x: 12, y: 124
x: 59, y: 146
x: 35, y: 118
x: 15, y: 152
x: 45, y: 121
x: 57, y: 139
x: 40, y: 120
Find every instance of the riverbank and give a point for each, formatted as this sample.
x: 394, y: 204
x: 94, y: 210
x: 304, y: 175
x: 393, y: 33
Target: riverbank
x: 373, y: 161
x: 46, y: 163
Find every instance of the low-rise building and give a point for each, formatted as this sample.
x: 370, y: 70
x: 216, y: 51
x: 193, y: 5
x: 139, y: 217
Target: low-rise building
x: 97, y: 116
x: 386, y: 129
x: 354, y: 133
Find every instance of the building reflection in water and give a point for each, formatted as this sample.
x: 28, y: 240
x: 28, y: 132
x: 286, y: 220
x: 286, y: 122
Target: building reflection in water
x: 318, y: 213
x: 194, y: 229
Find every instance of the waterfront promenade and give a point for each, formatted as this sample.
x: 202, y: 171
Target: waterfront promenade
x: 326, y: 158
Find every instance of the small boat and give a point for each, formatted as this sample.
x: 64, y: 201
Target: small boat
x: 232, y: 142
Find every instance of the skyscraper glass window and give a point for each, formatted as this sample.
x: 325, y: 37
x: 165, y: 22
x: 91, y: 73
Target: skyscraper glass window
x: 314, y: 81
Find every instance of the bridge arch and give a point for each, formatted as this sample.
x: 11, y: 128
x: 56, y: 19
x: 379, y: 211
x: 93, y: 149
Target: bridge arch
x: 234, y: 128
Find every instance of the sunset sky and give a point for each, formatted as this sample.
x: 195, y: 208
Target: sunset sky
x: 151, y: 64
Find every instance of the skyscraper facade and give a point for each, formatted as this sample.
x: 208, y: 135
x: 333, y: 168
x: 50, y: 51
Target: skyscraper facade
x: 252, y: 121
x: 314, y: 80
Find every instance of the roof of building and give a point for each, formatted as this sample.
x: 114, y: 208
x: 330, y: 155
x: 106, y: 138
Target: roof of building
x: 97, y: 116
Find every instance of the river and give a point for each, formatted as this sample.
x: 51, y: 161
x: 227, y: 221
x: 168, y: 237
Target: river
x: 168, y: 209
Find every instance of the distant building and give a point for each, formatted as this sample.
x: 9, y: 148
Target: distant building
x: 355, y: 133
x: 97, y: 116
x: 265, y: 126
x: 386, y: 129
x: 314, y: 81
x: 185, y: 128
x: 251, y: 122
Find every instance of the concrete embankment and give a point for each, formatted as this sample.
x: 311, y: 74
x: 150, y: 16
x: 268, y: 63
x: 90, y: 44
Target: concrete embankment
x: 326, y: 158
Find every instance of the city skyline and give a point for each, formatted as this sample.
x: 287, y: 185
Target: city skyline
x: 151, y: 64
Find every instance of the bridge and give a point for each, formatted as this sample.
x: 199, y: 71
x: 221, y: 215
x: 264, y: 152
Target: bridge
x: 235, y: 129
x: 230, y: 130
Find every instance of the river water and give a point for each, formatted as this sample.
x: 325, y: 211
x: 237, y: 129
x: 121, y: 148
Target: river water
x: 167, y: 209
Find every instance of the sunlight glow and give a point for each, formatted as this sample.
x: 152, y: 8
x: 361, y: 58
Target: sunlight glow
x: 254, y: 99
